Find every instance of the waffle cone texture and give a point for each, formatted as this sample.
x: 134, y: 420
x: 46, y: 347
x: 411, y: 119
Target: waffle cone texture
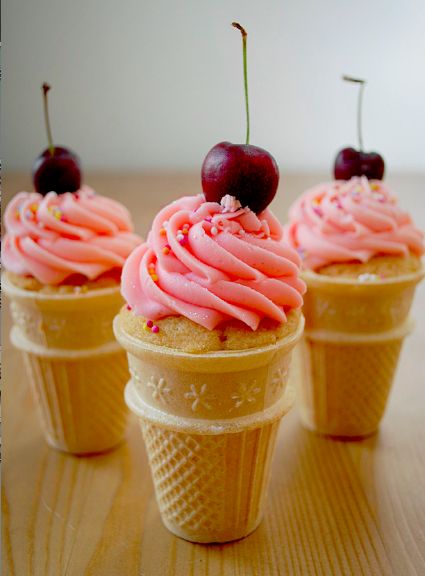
x: 209, y: 422
x: 350, y: 350
x: 75, y: 366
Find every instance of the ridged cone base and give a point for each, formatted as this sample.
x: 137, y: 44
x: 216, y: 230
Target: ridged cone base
x: 344, y: 388
x: 352, y: 342
x: 210, y: 488
x: 77, y: 369
x: 80, y: 401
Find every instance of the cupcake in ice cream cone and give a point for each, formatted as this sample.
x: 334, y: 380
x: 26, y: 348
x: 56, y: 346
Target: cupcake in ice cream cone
x: 213, y: 312
x: 212, y: 315
x: 362, y: 261
x: 62, y: 256
x: 361, y: 255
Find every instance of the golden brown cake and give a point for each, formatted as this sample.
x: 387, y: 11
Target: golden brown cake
x: 72, y: 285
x: 381, y: 266
x: 180, y: 333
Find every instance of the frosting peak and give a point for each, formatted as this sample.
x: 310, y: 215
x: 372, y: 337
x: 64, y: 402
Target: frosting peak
x: 345, y: 221
x: 212, y: 262
x: 55, y: 236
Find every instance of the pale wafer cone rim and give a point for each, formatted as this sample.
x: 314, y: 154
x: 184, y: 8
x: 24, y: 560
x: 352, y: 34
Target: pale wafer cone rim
x: 208, y: 427
x: 360, y: 338
x: 22, y: 343
x: 15, y: 292
x: 324, y: 281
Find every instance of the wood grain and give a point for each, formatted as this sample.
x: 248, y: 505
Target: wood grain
x: 334, y: 507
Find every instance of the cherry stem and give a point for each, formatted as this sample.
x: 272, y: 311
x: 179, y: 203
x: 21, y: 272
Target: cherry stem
x: 45, y: 88
x: 359, y: 106
x: 245, y: 74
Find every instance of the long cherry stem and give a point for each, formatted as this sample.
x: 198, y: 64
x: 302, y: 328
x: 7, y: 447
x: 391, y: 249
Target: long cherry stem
x: 245, y: 74
x: 359, y: 106
x: 45, y: 88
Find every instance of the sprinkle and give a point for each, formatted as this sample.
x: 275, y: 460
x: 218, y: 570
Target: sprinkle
x: 166, y: 250
x: 149, y: 323
x: 151, y: 266
x: 214, y: 231
x: 241, y: 232
x: 84, y: 289
x: 128, y: 307
x: 318, y: 211
x: 17, y: 215
x: 185, y: 231
x: 154, y: 277
x: 185, y: 227
x: 265, y: 227
x: 155, y: 329
x: 163, y: 232
x: 34, y: 207
x: 374, y: 186
x: 165, y: 224
x: 56, y: 212
x: 180, y: 236
x: 63, y: 219
x: 230, y: 203
x: 208, y: 219
x: 145, y: 326
x: 367, y: 277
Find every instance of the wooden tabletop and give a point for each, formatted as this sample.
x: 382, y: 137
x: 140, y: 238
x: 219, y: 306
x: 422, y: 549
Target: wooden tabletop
x: 334, y: 507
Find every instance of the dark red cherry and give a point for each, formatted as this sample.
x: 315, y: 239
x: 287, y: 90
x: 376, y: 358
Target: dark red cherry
x: 57, y: 168
x: 247, y: 172
x: 59, y: 172
x: 244, y: 171
x: 350, y: 162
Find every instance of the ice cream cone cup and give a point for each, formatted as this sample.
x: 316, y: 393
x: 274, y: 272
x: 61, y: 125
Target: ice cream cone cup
x: 209, y: 422
x: 71, y: 321
x: 346, y: 305
x: 351, y: 345
x: 76, y: 368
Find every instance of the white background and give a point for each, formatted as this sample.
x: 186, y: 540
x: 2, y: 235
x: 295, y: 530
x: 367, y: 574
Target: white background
x: 146, y: 84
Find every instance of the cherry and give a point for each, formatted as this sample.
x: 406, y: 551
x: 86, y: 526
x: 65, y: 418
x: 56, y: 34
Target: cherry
x: 245, y: 171
x: 56, y: 168
x: 351, y: 162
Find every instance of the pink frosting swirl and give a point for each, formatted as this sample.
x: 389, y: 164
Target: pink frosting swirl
x: 211, y: 263
x: 55, y: 236
x: 350, y: 221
